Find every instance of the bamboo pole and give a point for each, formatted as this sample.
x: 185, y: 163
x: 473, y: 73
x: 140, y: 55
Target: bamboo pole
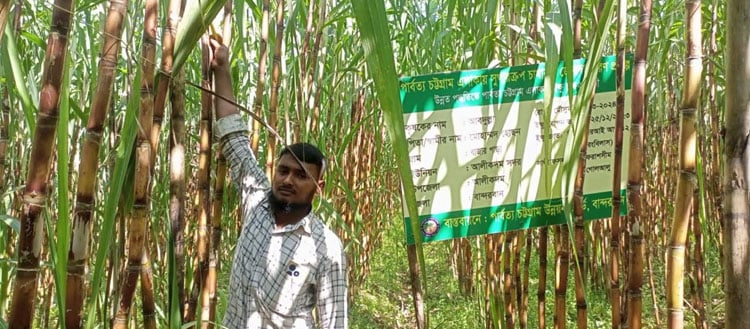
x: 687, y: 178
x: 35, y: 192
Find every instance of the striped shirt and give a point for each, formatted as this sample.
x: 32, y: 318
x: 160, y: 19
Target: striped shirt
x: 279, y: 277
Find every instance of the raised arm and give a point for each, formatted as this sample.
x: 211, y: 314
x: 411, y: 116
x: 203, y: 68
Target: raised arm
x: 222, y: 81
x: 231, y: 129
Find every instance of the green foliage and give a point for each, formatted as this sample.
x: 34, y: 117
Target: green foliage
x: 389, y: 39
x: 123, y: 161
x: 375, y: 39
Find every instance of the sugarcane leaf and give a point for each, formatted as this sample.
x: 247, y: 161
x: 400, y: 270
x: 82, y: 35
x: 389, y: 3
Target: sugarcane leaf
x: 9, y: 58
x: 376, y: 43
x: 567, y: 45
x: 111, y: 202
x: 11, y: 221
x: 62, y: 227
x: 195, y: 21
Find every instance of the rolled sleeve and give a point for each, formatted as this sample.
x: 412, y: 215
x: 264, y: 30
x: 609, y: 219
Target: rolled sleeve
x: 231, y: 131
x: 228, y: 125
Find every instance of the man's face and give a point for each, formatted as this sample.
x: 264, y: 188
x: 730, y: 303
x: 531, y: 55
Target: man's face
x: 291, y: 184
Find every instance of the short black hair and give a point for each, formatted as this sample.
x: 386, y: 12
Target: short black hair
x: 307, y: 153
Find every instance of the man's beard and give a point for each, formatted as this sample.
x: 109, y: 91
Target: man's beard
x: 287, y: 207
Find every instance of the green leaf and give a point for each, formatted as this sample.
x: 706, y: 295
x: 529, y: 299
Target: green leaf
x: 9, y: 58
x: 11, y: 221
x: 376, y: 42
x: 63, y: 203
x: 195, y: 21
x: 116, y: 184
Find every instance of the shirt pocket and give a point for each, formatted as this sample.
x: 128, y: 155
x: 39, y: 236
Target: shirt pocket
x: 298, y: 287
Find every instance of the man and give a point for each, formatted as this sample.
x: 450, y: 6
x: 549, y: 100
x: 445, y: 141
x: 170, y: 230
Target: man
x: 287, y: 263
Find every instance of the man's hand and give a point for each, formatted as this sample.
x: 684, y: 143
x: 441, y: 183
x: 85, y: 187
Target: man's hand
x: 220, y: 56
x: 222, y: 79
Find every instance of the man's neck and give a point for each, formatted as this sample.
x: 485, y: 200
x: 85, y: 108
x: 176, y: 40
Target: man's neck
x: 284, y: 218
x: 287, y: 213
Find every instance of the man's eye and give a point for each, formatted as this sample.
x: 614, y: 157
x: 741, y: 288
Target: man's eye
x: 301, y: 175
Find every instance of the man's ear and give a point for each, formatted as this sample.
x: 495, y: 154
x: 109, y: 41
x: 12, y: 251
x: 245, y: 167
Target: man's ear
x: 321, y: 185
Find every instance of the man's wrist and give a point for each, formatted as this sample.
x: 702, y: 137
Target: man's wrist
x: 224, y: 68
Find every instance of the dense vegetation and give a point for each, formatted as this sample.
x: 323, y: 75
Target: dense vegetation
x: 109, y: 179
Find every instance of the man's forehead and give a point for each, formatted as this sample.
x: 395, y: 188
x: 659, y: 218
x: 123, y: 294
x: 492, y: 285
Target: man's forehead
x: 287, y: 160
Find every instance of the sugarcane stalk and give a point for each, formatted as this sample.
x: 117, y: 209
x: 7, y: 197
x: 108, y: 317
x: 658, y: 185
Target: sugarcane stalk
x: 273, y: 102
x: 210, y: 287
x: 89, y: 165
x: 635, y: 169
x: 508, y: 286
x: 204, y: 188
x: 139, y: 218
x: 687, y: 181
x: 4, y: 119
x: 4, y: 13
x: 312, y: 122
x: 262, y: 67
x: 172, y: 83
x: 735, y: 216
x: 34, y: 196
x: 578, y: 223
x: 210, y: 295
x: 148, y: 307
x: 562, y: 259
x: 177, y: 190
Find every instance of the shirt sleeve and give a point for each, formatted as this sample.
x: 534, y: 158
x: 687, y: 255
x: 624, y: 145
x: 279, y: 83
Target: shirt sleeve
x: 245, y: 172
x: 333, y: 308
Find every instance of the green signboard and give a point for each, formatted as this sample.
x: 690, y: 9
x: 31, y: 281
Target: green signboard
x: 487, y: 158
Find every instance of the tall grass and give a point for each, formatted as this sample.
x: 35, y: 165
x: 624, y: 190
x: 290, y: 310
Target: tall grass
x: 339, y: 62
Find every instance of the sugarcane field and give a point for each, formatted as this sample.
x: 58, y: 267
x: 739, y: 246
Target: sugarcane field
x: 366, y: 164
